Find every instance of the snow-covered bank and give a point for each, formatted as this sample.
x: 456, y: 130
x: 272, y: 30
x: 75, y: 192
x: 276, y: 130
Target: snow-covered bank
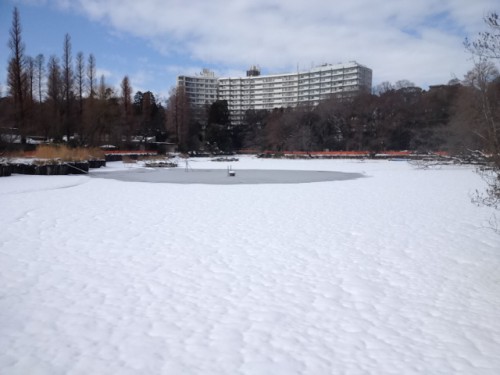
x: 392, y: 273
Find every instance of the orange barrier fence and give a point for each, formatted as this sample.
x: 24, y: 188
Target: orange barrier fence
x: 343, y: 153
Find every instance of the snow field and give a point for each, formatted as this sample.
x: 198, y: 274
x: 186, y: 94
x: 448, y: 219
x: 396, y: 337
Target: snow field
x: 389, y: 274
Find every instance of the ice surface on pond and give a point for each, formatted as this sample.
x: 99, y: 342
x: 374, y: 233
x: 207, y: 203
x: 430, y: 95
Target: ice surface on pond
x: 396, y: 272
x: 220, y: 177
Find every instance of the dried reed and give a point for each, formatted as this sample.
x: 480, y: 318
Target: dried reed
x: 64, y: 153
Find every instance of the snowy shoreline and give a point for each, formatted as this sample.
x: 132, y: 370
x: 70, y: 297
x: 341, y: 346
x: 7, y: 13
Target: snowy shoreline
x: 394, y: 273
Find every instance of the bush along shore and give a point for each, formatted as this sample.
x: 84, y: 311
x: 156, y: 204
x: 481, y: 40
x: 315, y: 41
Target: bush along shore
x: 53, y: 160
x: 50, y: 167
x: 5, y: 170
x: 63, y: 160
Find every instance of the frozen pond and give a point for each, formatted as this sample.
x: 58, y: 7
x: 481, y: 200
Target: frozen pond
x: 395, y: 273
x: 221, y: 177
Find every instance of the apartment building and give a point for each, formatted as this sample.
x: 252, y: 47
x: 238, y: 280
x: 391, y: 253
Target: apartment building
x: 201, y: 89
x: 257, y: 91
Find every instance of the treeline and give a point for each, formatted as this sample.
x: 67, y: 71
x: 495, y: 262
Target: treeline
x: 62, y: 99
x: 460, y: 116
x: 444, y: 117
x: 402, y: 119
x: 399, y: 117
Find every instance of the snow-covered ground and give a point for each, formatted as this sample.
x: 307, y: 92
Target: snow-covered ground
x: 393, y: 273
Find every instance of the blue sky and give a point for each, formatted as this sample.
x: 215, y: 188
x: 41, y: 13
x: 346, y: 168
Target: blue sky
x: 153, y: 41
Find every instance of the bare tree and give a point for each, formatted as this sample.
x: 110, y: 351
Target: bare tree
x: 179, y: 116
x: 487, y: 44
x: 102, y: 89
x: 40, y: 71
x: 126, y: 95
x: 67, y: 84
x: 106, y: 125
x: 80, y: 79
x: 90, y: 116
x: 16, y: 76
x: 126, y: 99
x: 91, y: 76
x: 386, y: 86
x: 485, y: 49
x: 480, y: 79
x: 403, y: 83
x: 383, y: 87
x: 54, y: 94
x: 29, y: 90
x: 54, y: 79
x: 80, y: 87
x: 277, y: 130
x: 30, y: 77
x: 39, y: 76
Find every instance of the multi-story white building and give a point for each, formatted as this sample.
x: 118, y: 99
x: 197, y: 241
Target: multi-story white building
x: 285, y: 90
x: 200, y: 89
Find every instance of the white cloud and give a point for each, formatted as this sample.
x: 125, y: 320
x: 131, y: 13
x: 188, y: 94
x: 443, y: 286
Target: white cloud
x: 104, y: 72
x: 416, y: 40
